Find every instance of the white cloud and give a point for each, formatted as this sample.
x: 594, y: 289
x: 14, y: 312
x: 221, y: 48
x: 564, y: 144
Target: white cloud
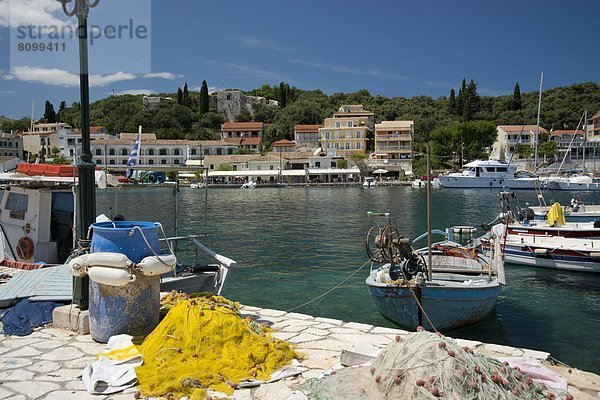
x: 59, y: 77
x: 162, y: 75
x: 15, y: 13
x: 255, y: 42
x: 135, y: 92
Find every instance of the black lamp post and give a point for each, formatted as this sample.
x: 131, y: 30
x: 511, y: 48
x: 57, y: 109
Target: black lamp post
x: 87, y: 190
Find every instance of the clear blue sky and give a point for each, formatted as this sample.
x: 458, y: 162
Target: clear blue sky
x: 392, y: 47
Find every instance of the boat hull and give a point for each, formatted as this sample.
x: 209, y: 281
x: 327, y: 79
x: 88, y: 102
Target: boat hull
x: 463, y: 182
x: 449, y: 306
x: 574, y: 232
x: 551, y: 260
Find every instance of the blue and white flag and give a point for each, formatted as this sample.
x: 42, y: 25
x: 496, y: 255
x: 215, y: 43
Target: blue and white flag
x: 134, y: 155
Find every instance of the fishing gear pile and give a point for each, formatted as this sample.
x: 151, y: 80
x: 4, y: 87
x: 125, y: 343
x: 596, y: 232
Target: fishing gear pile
x: 204, y: 343
x: 428, y: 366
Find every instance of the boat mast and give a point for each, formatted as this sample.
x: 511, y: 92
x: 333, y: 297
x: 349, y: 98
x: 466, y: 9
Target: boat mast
x: 429, y: 266
x: 537, y: 132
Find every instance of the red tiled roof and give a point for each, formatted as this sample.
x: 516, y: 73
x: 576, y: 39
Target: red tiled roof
x: 307, y: 128
x: 242, y: 126
x: 283, y: 143
x: 566, y: 132
x: 519, y: 128
x: 95, y: 128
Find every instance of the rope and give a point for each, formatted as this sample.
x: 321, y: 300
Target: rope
x: 330, y: 290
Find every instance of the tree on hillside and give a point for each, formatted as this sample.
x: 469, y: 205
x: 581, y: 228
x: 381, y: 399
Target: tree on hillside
x: 547, y: 149
x: 462, y: 94
x: 243, y: 116
x: 186, y: 96
x: 361, y: 161
x: 452, y: 102
x: 61, y: 108
x: 204, y: 98
x: 283, y: 92
x: 467, y: 114
x: 179, y: 96
x: 49, y: 113
x: 516, y: 100
x: 476, y: 137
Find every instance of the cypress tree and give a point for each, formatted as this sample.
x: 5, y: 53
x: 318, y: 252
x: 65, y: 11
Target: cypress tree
x: 49, y: 113
x: 61, y: 108
x: 467, y: 114
x: 185, y: 95
x: 179, y: 96
x: 452, y: 102
x: 282, y: 95
x: 516, y: 101
x: 204, y: 99
x: 462, y: 95
x: 475, y: 101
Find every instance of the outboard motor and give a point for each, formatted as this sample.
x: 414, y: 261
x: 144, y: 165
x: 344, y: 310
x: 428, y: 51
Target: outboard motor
x: 526, y: 214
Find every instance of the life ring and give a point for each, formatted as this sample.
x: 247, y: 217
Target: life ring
x: 25, y: 248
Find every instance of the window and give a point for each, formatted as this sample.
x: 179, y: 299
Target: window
x: 337, y: 124
x: 163, y: 161
x: 347, y: 145
x: 327, y: 135
x: 271, y: 167
x: 219, y: 151
x: 358, y: 134
x: 17, y: 202
x: 112, y: 162
x: 258, y: 168
x: 358, y: 146
x: 193, y: 152
x: 337, y: 146
x: 124, y: 162
x: 150, y: 152
x: 317, y: 164
x: 176, y: 161
x: 206, y: 152
x: 124, y: 152
x: 162, y: 152
x: 150, y: 161
x: 176, y: 152
x: 98, y: 152
x: 230, y: 151
x: 98, y: 162
x: 349, y: 124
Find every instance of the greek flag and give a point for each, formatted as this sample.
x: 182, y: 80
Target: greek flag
x: 133, y: 156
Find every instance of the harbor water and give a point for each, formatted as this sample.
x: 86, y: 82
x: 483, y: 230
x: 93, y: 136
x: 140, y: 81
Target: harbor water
x: 295, y: 243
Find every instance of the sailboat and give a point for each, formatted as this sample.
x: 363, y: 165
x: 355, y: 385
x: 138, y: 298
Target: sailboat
x: 439, y: 287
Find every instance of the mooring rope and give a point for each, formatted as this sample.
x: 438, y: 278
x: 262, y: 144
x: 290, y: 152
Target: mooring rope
x: 330, y: 290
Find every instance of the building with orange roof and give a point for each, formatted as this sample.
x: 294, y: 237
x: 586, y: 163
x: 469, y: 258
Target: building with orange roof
x: 307, y: 135
x: 283, y: 146
x: 510, y: 136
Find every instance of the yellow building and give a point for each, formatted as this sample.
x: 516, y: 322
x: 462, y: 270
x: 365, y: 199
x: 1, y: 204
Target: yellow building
x: 393, y: 141
x: 348, y: 130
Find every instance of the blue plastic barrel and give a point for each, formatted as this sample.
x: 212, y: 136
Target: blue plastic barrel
x: 132, y: 309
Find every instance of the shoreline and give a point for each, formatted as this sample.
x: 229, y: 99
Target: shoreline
x: 53, y: 358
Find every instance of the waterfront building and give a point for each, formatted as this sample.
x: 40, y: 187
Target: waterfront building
x: 246, y: 135
x: 572, y: 146
x: 11, y: 145
x: 593, y: 127
x: 283, y: 146
x: 394, y: 144
x: 41, y: 138
x: 307, y: 135
x: 348, y: 131
x: 153, y: 151
x: 69, y: 140
x: 510, y: 136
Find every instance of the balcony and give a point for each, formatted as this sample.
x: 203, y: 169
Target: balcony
x: 400, y: 137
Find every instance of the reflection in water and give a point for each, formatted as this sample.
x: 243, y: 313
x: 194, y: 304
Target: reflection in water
x: 294, y: 244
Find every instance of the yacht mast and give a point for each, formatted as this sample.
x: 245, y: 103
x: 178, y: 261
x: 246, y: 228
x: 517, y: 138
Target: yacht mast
x: 537, y: 132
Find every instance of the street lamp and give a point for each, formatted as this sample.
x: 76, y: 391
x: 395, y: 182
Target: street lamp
x: 87, y: 193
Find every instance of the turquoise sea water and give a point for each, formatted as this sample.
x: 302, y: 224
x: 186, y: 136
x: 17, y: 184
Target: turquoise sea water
x: 293, y: 244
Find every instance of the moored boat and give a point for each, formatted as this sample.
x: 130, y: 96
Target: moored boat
x: 458, y: 287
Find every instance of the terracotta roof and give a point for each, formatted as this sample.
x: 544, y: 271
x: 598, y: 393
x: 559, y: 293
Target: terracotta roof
x: 307, y: 128
x: 284, y: 143
x: 95, y: 128
x: 518, y: 128
x: 242, y: 126
x: 296, y: 155
x: 253, y: 141
x: 566, y: 132
x: 134, y: 136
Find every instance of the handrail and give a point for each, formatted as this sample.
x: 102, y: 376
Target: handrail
x: 435, y: 231
x: 228, y: 262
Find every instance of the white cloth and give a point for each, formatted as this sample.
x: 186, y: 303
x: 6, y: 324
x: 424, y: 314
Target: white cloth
x: 107, y: 376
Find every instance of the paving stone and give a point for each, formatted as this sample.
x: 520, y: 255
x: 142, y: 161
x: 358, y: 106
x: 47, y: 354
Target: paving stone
x: 249, y: 309
x: 345, y: 331
x: 300, y: 316
x: 15, y: 342
x: 89, y: 348
x: 60, y: 334
x: 85, y: 338
x: 331, y: 321
x: 43, y: 367
x: 284, y: 335
x: 80, y: 363
x: 304, y: 337
x: 23, y: 352
x: 378, y: 341
x: 28, y: 389
x: 324, y: 344
x: 16, y: 375
x: 293, y: 328
x: 272, y: 313
x: 76, y: 384
x: 10, y: 363
x: 383, y: 331
x: 275, y: 390
x: 4, y: 349
x: 321, y: 359
x: 468, y: 343
x: 120, y: 396
x: 358, y: 326
x: 318, y: 332
x: 62, y: 375
x: 72, y: 395
x: 323, y: 325
x: 497, y: 348
x: 243, y: 394
x: 517, y: 353
x: 538, y: 355
x: 49, y: 344
x: 6, y: 394
x: 62, y: 354
x: 39, y: 335
x: 261, y: 319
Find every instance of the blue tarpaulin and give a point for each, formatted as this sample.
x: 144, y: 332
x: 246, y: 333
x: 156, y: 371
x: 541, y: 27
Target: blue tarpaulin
x: 26, y: 315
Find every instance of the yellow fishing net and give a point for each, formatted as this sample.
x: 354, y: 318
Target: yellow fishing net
x: 205, y: 343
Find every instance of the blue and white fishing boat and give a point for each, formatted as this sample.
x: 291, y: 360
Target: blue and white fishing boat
x: 446, y: 288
